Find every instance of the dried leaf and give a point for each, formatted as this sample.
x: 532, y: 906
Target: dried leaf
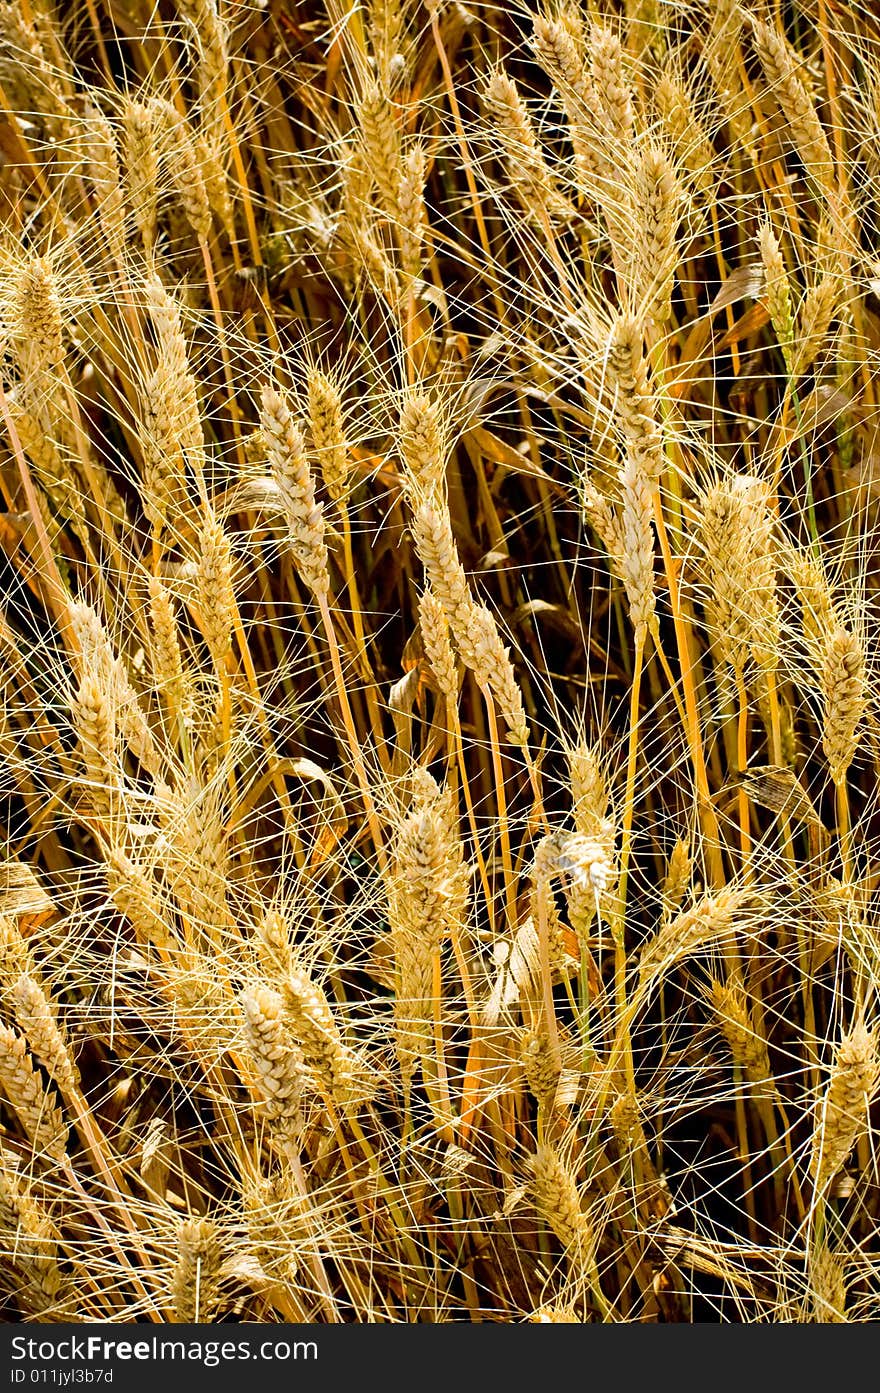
x: 780, y: 791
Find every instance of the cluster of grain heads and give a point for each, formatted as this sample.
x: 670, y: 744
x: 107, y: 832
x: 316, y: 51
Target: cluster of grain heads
x: 315, y: 1049
x: 844, y: 699
x: 777, y: 291
x: 34, y: 1105
x: 286, y: 454
x: 141, y: 160
x: 195, y: 1281
x: 593, y: 892
x: 29, y: 1244
x: 803, y: 129
x: 525, y: 165
x: 172, y: 439
x: 713, y: 919
x: 737, y: 1022
x: 36, y: 324
x: 738, y: 560
x: 427, y: 903
x: 338, y: 1072
x: 101, y: 155
x: 327, y: 424
x: 37, y: 1018
x: 841, y: 1115
x: 214, y: 589
x: 277, y: 1059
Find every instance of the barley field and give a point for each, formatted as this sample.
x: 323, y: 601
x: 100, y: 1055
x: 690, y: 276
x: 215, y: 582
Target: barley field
x: 438, y: 652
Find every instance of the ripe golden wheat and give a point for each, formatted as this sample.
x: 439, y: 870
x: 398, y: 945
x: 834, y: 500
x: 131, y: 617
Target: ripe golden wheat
x: 438, y: 651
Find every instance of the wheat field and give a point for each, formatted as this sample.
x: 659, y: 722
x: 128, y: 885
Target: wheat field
x: 438, y: 641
